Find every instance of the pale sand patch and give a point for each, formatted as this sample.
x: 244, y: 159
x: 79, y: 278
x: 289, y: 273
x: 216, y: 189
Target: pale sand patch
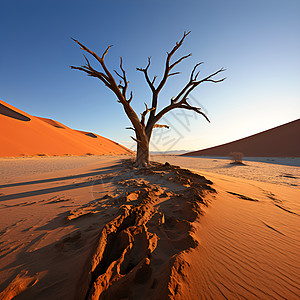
x: 15, y: 169
x: 253, y: 170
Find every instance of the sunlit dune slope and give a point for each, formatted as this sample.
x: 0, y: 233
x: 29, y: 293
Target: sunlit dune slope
x: 281, y: 141
x: 22, y: 134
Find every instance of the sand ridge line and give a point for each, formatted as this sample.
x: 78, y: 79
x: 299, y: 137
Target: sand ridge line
x: 285, y: 209
x: 278, y: 203
x: 8, y: 228
x: 22, y: 282
x: 242, y: 196
x: 141, y: 251
x: 269, y: 226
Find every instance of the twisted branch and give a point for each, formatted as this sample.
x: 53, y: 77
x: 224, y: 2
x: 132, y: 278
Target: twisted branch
x: 169, y: 67
x: 123, y: 77
x: 109, y: 81
x: 144, y: 113
x: 161, y: 126
x: 145, y: 71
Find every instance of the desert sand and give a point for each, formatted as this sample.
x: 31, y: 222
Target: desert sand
x: 25, y: 135
x: 96, y: 228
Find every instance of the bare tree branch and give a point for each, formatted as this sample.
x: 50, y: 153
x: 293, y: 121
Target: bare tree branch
x: 136, y: 140
x: 194, y: 77
x: 169, y: 55
x: 161, y: 126
x: 145, y: 71
x: 145, y: 113
x: 180, y: 101
x: 194, y: 108
x: 216, y: 81
x: 93, y: 73
x: 131, y: 96
x: 213, y: 74
x: 154, y: 80
x: 110, y: 82
x: 123, y: 77
x: 105, y: 52
x: 166, y: 75
x: 179, y: 60
x: 118, y: 75
x: 99, y: 59
x: 175, y: 73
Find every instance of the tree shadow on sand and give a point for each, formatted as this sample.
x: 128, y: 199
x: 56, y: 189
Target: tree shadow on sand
x: 61, y: 188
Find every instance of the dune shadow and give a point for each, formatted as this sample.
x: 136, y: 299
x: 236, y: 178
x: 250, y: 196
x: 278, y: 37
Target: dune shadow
x: 8, y: 112
x: 90, y: 134
x: 51, y: 122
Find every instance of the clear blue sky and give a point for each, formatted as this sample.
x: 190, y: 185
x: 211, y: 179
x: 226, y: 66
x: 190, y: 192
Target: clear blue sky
x: 257, y: 41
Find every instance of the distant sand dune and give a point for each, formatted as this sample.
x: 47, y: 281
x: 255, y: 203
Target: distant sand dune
x: 42, y: 137
x: 281, y: 141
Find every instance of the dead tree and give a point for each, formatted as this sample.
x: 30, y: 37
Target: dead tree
x: 143, y: 127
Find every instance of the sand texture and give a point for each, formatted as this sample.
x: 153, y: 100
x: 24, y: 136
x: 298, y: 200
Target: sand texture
x: 25, y: 135
x: 96, y: 228
x: 270, y: 170
x: 281, y: 141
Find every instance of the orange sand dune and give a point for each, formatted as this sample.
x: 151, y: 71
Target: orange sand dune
x: 281, y: 141
x: 22, y: 134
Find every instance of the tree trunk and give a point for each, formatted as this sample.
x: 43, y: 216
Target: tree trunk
x: 142, y: 155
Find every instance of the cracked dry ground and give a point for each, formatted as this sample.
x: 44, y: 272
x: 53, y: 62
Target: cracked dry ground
x: 140, y: 253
